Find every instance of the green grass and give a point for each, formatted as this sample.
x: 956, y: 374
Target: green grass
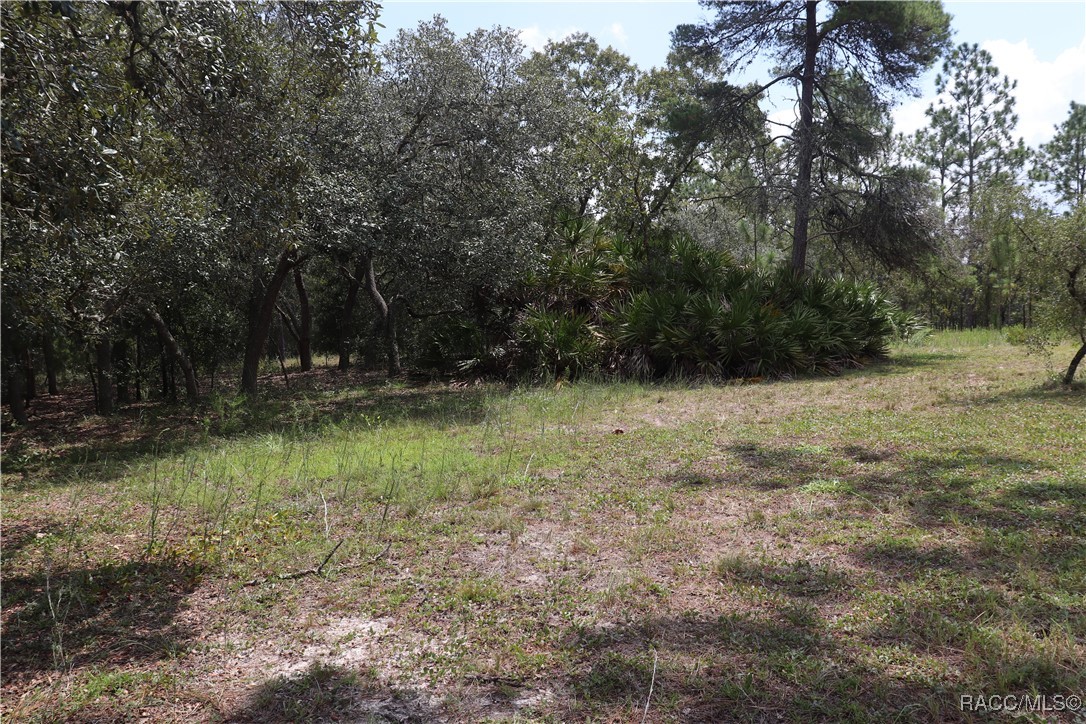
x: 863, y: 547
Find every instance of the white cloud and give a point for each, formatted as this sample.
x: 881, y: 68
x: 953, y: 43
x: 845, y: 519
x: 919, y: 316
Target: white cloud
x: 781, y: 119
x: 535, y: 38
x: 620, y: 34
x: 910, y: 116
x: 1045, y: 88
x: 1044, y: 93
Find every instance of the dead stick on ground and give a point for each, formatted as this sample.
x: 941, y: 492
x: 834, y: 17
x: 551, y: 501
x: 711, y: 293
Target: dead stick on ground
x: 648, y: 699
x: 315, y: 571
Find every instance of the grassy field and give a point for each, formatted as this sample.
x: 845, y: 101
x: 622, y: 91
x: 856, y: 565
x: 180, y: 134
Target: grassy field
x: 866, y: 547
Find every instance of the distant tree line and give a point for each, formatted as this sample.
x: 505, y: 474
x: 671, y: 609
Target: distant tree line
x: 190, y: 189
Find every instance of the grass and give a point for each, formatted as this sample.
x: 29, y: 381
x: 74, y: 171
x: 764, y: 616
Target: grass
x: 866, y: 547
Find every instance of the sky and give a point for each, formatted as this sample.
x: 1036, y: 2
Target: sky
x: 1041, y: 44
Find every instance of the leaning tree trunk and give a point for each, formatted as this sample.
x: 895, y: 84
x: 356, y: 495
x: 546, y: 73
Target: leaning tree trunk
x: 305, y: 323
x: 1069, y: 376
x: 103, y: 360
x: 169, y: 343
x: 346, y: 318
x: 260, y: 322
x: 392, y: 345
x: 1080, y: 299
x: 387, y: 314
x: 805, y: 142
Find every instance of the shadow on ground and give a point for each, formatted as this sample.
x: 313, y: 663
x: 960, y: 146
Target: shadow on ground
x: 905, y: 362
x: 935, y: 488
x: 967, y: 557
x: 1051, y: 393
x: 113, y: 616
x: 754, y: 667
x: 63, y: 444
x: 330, y: 693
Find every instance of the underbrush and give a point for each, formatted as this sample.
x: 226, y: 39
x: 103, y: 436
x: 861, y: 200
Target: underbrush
x: 668, y: 307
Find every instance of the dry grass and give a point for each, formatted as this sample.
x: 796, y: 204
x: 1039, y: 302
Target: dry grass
x: 867, y: 547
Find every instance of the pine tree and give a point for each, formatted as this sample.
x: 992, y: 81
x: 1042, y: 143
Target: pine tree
x: 969, y: 143
x: 884, y: 44
x: 1062, y: 161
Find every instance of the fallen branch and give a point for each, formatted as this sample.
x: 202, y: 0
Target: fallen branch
x: 383, y: 553
x: 315, y: 571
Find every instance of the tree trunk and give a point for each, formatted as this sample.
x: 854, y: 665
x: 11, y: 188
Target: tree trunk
x: 169, y: 343
x: 121, y: 371
x: 16, y: 379
x: 139, y: 365
x: 1069, y: 377
x: 305, y: 323
x: 805, y: 142
x: 391, y: 344
x: 281, y: 350
x: 103, y: 361
x: 31, y: 377
x: 17, y: 396
x: 163, y: 367
x: 387, y: 315
x: 260, y: 323
x: 281, y: 343
x: 171, y: 368
x: 346, y: 319
x: 49, y: 355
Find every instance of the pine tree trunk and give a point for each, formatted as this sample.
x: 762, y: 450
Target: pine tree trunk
x: 260, y: 323
x: 805, y: 142
x: 103, y: 360
x: 305, y: 323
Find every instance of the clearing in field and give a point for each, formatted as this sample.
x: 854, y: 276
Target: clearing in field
x: 864, y: 547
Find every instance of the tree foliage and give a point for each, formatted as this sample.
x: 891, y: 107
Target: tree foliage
x: 191, y: 188
x: 1062, y: 161
x: 879, y: 46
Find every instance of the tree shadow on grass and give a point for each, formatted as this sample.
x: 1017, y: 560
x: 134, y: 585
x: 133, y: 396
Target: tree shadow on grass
x: 936, y: 487
x: 777, y: 467
x: 1048, y: 394
x: 323, y: 693
x: 64, y: 451
x: 112, y: 615
x: 903, y: 363
x: 778, y: 666
x: 983, y: 559
x: 16, y: 535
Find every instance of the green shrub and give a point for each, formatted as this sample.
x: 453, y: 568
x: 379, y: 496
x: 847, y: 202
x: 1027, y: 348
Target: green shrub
x: 558, y: 343
x: 1017, y: 335
x: 667, y: 306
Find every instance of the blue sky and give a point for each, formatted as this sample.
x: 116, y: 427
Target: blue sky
x: 1040, y: 44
